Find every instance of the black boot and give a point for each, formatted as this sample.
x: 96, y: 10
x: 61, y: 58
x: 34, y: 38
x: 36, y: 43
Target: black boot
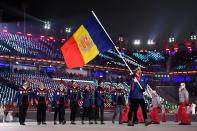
x: 130, y: 123
x: 73, y: 123
x: 63, y: 122
x: 146, y: 122
x: 22, y: 123
x: 55, y: 123
x: 113, y: 121
x: 44, y: 123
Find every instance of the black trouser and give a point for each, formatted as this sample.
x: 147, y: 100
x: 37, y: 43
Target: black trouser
x: 23, y: 112
x: 135, y: 103
x: 41, y: 112
x: 61, y: 111
x: 97, y: 112
x: 74, y: 107
x: 88, y: 111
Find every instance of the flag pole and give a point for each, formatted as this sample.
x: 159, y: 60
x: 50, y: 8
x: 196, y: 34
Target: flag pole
x: 117, y: 50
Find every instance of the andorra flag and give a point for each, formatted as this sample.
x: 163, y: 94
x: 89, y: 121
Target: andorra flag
x: 86, y: 43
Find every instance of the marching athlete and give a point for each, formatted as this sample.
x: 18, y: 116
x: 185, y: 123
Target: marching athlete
x: 118, y: 100
x: 156, y: 107
x: 163, y: 111
x: 99, y: 102
x: 88, y: 104
x: 184, y: 103
x: 74, y: 95
x: 136, y: 98
x: 41, y: 100
x: 22, y: 99
x: 60, y: 99
x: 176, y: 113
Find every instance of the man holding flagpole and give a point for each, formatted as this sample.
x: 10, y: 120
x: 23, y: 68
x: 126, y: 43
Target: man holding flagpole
x: 136, y: 98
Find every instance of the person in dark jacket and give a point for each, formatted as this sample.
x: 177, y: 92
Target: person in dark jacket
x: 118, y: 100
x: 74, y: 95
x: 60, y: 99
x: 22, y: 99
x: 88, y: 104
x: 99, y: 102
x: 41, y: 100
x: 136, y: 98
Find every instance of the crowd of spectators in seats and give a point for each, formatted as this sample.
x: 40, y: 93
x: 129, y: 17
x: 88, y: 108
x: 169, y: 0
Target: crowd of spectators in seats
x: 24, y: 46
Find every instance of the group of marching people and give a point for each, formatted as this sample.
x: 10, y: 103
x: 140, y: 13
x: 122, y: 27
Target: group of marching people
x: 62, y: 97
x: 73, y: 95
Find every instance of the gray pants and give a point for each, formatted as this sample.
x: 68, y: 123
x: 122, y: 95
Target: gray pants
x: 117, y: 109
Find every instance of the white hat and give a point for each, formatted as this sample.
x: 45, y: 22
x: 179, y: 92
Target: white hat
x: 182, y: 85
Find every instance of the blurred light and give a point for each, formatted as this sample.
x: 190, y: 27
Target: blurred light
x: 136, y: 42
x: 47, y: 25
x: 150, y: 42
x: 29, y: 34
x: 167, y: 49
x: 193, y: 37
x: 141, y: 50
x: 42, y: 36
x: 68, y: 29
x: 120, y: 39
x: 171, y: 39
x: 5, y: 30
x: 51, y: 38
x: 188, y: 43
x: 63, y: 39
x: 19, y: 33
x: 176, y: 49
x: 17, y: 62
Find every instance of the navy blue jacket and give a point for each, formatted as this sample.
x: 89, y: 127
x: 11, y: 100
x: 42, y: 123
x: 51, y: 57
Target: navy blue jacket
x: 88, y: 99
x: 72, y: 92
x: 115, y: 97
x: 19, y: 95
x: 99, y: 96
x: 57, y: 95
x: 136, y: 92
x: 39, y: 93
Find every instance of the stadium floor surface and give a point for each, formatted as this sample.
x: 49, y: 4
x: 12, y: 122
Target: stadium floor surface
x: 108, y: 126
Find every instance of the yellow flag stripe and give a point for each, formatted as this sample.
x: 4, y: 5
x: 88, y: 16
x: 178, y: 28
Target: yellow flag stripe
x: 85, y: 44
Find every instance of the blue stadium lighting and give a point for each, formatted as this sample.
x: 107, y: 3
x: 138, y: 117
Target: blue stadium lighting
x: 181, y: 67
x: 157, y: 56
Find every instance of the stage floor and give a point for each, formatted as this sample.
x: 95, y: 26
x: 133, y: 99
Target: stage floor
x: 108, y: 126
